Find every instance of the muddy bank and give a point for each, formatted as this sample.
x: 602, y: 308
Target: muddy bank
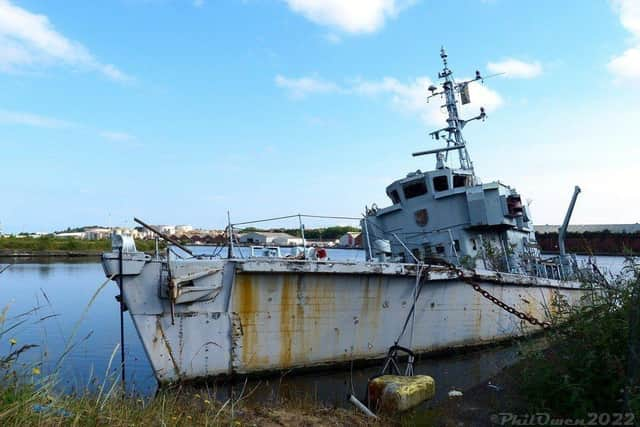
x: 478, y: 406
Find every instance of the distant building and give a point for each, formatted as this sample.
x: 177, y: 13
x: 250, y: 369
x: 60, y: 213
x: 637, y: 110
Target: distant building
x: 166, y: 229
x: 142, y: 233
x: 74, y: 235
x: 590, y: 228
x: 183, y: 229
x: 269, y: 238
x: 35, y: 235
x: 351, y: 239
x: 97, y: 233
x: 125, y: 231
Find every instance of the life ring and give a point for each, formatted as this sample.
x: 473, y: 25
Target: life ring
x: 321, y: 253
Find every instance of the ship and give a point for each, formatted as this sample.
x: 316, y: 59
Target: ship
x: 451, y: 263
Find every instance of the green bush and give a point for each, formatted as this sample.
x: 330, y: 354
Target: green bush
x: 591, y: 364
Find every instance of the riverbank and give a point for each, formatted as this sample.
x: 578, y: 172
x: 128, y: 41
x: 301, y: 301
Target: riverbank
x: 184, y: 407
x: 51, y: 247
x: 12, y: 253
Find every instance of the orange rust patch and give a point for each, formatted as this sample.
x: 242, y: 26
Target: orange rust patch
x: 246, y: 304
x: 307, y: 305
x: 246, y: 300
x: 285, y: 322
x: 299, y: 341
x: 552, y: 300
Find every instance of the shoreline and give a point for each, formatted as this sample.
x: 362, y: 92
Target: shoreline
x: 91, y: 253
x: 13, y: 253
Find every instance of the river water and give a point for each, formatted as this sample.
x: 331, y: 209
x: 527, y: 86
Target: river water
x: 77, y: 338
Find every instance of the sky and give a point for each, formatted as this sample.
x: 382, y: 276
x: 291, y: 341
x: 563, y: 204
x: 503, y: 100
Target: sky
x: 177, y: 111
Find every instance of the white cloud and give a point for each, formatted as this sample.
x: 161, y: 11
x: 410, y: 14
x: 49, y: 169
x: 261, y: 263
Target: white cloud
x: 516, y: 69
x: 18, y: 118
x: 627, y: 65
x: 303, y: 86
x: 351, y: 16
x: 34, y: 120
x: 198, y: 3
x: 409, y: 97
x: 117, y: 136
x: 629, y: 11
x: 28, y: 40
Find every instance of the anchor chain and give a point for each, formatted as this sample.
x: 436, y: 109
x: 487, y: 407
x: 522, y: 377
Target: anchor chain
x: 506, y: 307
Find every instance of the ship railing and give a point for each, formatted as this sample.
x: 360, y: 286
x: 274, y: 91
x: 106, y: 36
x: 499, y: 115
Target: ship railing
x: 266, y: 251
x: 554, y: 268
x: 406, y: 239
x: 235, y: 241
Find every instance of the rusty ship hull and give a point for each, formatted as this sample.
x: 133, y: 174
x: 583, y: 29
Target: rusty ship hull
x: 249, y: 316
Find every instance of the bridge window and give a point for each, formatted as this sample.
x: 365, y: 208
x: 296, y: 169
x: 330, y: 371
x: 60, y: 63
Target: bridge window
x: 459, y: 181
x: 394, y: 196
x: 414, y: 189
x: 440, y: 183
x: 514, y: 206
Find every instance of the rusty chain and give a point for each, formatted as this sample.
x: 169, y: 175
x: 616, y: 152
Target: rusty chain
x: 506, y: 307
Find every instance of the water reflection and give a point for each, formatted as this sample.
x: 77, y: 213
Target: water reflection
x: 44, y: 270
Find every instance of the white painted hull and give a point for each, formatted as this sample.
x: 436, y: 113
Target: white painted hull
x: 268, y: 315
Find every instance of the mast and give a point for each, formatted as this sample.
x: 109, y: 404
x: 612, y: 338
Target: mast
x: 453, y: 120
x: 453, y: 132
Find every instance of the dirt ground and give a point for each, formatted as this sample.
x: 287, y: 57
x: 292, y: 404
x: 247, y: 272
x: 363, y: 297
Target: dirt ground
x: 477, y: 407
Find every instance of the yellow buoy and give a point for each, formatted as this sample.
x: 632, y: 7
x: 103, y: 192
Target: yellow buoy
x: 395, y: 393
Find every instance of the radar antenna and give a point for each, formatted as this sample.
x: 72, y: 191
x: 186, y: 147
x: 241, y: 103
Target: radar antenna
x: 452, y: 133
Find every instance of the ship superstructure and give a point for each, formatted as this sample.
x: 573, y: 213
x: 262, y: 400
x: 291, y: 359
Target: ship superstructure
x: 448, y: 214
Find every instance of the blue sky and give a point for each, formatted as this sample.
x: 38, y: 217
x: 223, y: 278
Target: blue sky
x: 177, y: 110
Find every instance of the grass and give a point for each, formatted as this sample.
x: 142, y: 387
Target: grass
x: 168, y: 408
x: 32, y: 401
